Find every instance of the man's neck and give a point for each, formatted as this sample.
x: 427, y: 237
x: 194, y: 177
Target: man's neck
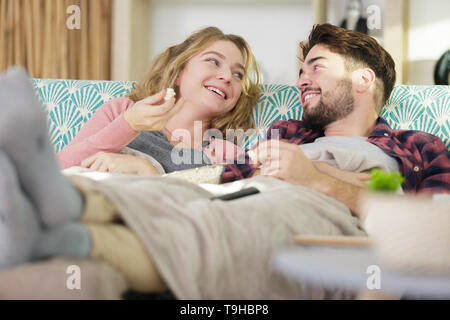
x: 355, y: 124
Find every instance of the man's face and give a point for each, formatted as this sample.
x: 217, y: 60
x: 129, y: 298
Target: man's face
x: 325, y: 88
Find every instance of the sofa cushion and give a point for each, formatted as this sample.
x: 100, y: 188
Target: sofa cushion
x: 70, y: 103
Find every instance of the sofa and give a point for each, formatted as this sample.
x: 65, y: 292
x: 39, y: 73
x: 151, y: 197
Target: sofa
x: 70, y: 103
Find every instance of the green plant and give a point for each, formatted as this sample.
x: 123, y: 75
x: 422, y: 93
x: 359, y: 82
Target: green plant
x: 384, y: 181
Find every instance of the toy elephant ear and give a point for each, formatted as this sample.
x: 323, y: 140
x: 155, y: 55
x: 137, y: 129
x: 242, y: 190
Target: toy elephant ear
x: 441, y: 71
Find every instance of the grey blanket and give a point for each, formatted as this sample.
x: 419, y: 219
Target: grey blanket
x: 221, y: 249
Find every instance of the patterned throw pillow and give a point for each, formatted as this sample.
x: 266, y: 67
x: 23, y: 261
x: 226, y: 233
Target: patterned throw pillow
x: 424, y: 108
x: 70, y: 103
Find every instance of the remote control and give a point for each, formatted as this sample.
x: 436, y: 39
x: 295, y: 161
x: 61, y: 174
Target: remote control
x: 236, y: 195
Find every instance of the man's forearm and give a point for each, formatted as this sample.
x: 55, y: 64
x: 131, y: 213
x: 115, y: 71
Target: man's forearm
x: 345, y: 176
x: 344, y: 186
x: 344, y: 192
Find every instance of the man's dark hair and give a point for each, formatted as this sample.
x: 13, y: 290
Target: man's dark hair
x: 358, y: 50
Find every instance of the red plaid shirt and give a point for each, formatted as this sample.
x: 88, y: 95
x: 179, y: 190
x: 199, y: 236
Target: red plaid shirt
x: 422, y: 158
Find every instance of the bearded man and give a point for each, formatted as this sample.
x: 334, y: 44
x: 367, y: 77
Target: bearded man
x: 344, y: 82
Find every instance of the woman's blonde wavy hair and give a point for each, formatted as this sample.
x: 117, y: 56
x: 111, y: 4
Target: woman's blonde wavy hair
x: 167, y: 66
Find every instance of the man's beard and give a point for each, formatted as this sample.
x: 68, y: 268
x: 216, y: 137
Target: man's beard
x: 335, y: 104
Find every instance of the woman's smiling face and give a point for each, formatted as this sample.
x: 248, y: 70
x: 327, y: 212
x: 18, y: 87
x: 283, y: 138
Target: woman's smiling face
x: 211, y: 82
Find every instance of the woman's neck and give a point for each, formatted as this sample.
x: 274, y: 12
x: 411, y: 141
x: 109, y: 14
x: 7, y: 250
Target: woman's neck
x: 186, y: 129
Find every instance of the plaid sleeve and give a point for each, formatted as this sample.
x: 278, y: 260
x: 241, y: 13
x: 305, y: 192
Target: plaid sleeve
x: 435, y: 173
x: 243, y: 168
x: 238, y: 170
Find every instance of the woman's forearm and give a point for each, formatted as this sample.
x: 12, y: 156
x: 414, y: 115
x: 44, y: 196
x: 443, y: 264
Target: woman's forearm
x: 106, y: 131
x: 111, y: 138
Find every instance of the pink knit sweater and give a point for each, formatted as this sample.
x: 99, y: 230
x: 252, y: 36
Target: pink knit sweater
x: 108, y: 131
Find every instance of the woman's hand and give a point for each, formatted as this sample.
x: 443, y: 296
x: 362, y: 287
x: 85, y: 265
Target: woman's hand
x: 119, y: 163
x: 150, y: 114
x: 220, y: 151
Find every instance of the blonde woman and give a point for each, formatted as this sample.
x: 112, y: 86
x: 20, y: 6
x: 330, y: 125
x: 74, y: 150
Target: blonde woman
x: 43, y: 214
x: 215, y: 78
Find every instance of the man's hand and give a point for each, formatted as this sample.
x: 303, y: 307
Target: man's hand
x: 149, y: 114
x: 285, y: 161
x: 119, y: 163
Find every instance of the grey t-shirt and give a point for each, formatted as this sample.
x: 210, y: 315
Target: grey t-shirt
x: 172, y: 158
x: 349, y: 153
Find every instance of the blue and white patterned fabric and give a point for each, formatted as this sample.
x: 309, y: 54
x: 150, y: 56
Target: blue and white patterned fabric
x: 70, y: 103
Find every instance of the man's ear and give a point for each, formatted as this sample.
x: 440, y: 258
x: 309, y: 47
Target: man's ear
x: 365, y: 78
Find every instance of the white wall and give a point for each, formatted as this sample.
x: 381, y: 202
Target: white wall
x: 337, y: 11
x: 429, y: 38
x: 272, y: 28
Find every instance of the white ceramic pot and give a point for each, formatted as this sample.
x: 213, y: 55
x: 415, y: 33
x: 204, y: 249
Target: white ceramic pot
x: 411, y: 234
